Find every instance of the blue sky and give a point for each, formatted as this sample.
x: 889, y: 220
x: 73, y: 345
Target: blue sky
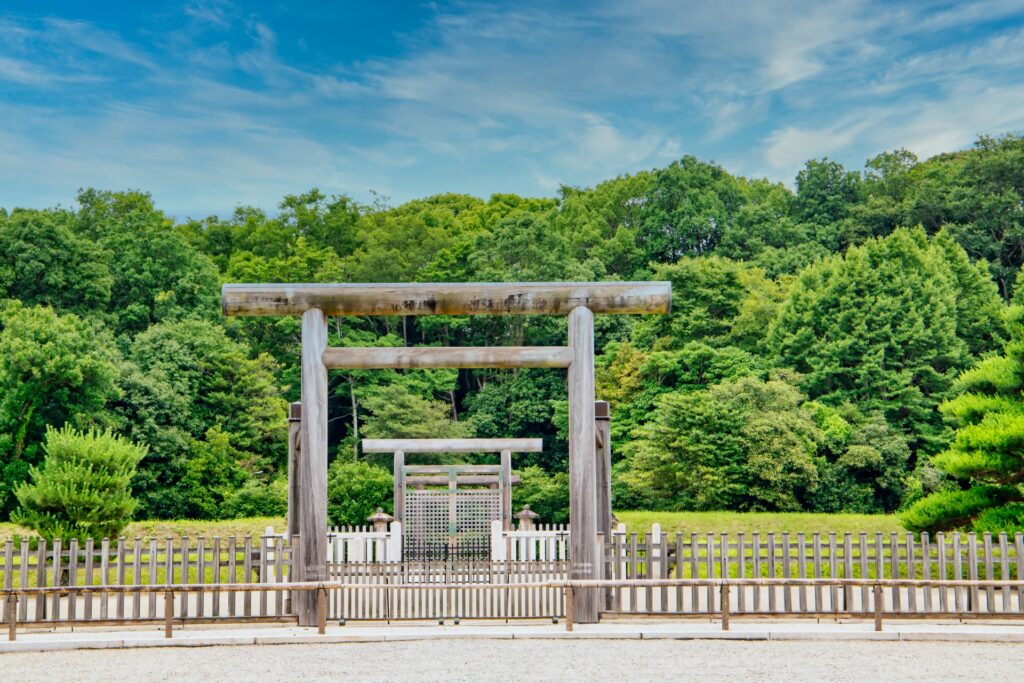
x: 210, y: 104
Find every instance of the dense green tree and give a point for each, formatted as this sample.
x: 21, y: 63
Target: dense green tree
x: 877, y: 327
x: 42, y: 261
x: 688, y: 207
x: 546, y: 494
x: 180, y: 381
x: 743, y: 445
x: 82, y: 490
x: 156, y: 274
x: 53, y: 369
x: 825, y: 195
x: 355, y: 489
x: 862, y: 462
x: 987, y: 453
x: 710, y: 295
x: 394, y: 411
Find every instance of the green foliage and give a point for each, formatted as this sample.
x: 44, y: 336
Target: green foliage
x: 255, y: 499
x: 824, y: 289
x: 987, y: 451
x: 53, y: 369
x: 546, y: 494
x: 355, y: 490
x: 183, y: 382
x: 83, y: 488
x: 43, y: 262
x: 878, y: 328
x: 395, y: 412
x: 743, y: 445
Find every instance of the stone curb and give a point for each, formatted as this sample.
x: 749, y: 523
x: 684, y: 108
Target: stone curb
x: 55, y: 644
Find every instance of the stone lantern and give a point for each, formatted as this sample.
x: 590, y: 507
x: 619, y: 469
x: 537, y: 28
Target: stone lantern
x: 527, y: 518
x: 380, y: 520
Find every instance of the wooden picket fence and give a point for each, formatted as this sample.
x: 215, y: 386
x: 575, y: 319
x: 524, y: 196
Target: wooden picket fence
x: 153, y: 562
x: 455, y: 589
x: 545, y: 542
x: 800, y: 556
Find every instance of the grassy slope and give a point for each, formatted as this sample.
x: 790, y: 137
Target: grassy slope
x: 700, y: 522
x: 253, y: 526
x: 732, y: 522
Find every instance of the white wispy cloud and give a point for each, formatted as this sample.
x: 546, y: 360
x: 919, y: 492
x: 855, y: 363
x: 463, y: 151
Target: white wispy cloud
x: 494, y: 97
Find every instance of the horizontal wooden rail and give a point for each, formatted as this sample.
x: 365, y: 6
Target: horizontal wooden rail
x: 10, y: 595
x: 394, y: 357
x: 452, y: 445
x: 428, y: 298
x: 566, y: 583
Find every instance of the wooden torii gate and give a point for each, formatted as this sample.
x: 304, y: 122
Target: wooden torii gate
x: 579, y: 301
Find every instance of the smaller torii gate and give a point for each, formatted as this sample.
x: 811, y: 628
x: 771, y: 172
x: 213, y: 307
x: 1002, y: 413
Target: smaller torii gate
x: 454, y: 520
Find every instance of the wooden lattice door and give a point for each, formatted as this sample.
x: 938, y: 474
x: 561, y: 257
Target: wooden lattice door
x: 448, y: 523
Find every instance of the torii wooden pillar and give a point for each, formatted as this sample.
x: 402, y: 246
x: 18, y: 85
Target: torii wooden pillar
x: 579, y: 301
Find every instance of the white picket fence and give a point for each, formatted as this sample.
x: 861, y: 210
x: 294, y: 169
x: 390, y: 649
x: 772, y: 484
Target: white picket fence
x: 547, y: 542
x: 361, y: 544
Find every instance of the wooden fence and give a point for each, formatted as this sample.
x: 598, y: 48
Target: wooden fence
x: 808, y: 571
x: 201, y: 561
x: 800, y: 556
x: 449, y: 590
x: 544, y: 542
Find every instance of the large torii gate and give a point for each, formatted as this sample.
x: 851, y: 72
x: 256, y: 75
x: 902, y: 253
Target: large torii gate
x: 579, y: 301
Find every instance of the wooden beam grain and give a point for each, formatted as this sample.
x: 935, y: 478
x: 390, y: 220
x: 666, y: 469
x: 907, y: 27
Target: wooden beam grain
x: 452, y: 445
x: 488, y: 298
x: 447, y: 357
x: 312, y: 504
x: 584, y: 554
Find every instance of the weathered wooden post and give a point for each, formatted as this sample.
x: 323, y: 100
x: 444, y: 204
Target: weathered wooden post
x: 398, y: 475
x: 12, y: 616
x: 294, y: 466
x: 602, y: 429
x: 505, y: 485
x: 312, y: 507
x: 583, y: 551
x: 169, y: 612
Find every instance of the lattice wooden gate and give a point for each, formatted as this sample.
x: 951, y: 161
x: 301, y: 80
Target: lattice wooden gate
x: 452, y: 522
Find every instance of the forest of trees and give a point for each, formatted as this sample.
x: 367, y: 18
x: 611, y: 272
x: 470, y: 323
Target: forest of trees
x: 825, y: 343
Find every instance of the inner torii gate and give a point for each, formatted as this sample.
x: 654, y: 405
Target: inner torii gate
x: 579, y: 301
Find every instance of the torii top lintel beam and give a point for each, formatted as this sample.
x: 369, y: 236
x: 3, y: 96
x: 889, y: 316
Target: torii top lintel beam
x: 417, y: 298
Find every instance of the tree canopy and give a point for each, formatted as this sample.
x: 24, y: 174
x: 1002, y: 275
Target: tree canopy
x: 810, y: 361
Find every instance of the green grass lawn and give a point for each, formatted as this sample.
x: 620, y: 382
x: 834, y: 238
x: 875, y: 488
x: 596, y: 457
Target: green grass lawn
x: 161, y: 529
x: 639, y: 521
x: 732, y: 522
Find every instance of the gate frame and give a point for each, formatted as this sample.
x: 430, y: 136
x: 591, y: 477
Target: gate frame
x: 399, y: 448
x: 579, y: 301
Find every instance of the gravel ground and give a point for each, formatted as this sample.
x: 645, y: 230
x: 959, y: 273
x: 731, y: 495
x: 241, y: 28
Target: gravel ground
x: 533, y: 660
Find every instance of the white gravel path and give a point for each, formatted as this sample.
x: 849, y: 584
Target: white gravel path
x: 533, y: 660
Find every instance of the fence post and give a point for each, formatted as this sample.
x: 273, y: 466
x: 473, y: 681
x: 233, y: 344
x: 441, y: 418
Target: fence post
x: 321, y: 610
x: 168, y: 612
x: 12, y: 617
x: 568, y: 607
x: 498, y: 549
x: 395, y: 539
x: 725, y: 606
x: 878, y: 606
